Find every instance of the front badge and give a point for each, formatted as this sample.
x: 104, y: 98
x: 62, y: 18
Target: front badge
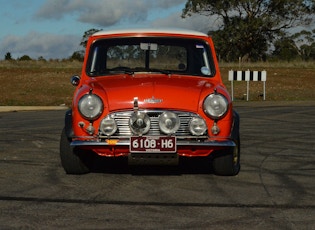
x: 153, y: 100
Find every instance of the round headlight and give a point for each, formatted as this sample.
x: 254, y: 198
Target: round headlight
x: 108, y: 126
x: 90, y: 106
x: 215, y: 106
x: 197, y: 126
x: 169, y: 122
x: 139, y: 123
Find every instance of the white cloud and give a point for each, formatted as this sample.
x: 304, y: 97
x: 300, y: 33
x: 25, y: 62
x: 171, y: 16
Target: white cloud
x: 105, y: 12
x: 36, y: 45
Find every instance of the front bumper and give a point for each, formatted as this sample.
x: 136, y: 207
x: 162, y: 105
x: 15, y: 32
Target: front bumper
x: 126, y: 143
x: 184, y: 148
x: 121, y: 148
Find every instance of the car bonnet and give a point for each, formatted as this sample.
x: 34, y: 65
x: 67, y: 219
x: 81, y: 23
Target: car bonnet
x: 153, y: 91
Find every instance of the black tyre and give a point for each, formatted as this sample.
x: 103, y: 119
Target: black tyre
x: 70, y: 160
x: 227, y: 163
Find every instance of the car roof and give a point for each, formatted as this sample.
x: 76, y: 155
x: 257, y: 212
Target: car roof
x: 150, y: 31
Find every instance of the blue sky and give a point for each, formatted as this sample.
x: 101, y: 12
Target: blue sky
x: 54, y: 28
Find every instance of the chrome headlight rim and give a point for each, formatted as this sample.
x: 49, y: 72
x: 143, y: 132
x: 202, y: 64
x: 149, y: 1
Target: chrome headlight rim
x: 90, y: 106
x: 197, y: 126
x: 108, y: 126
x: 216, y: 106
x: 172, y: 119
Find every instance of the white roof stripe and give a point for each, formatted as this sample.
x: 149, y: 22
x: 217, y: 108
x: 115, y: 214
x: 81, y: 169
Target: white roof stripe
x: 160, y: 30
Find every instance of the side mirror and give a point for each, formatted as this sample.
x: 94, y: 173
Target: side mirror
x: 75, y: 80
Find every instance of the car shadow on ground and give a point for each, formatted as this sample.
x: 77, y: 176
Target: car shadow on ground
x: 119, y: 165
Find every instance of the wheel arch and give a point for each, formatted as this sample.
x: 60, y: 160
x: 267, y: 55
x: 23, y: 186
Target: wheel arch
x: 235, y: 130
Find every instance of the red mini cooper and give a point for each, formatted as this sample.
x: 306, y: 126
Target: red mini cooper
x: 154, y: 97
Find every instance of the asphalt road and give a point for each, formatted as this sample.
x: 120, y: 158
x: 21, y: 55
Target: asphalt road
x: 274, y: 190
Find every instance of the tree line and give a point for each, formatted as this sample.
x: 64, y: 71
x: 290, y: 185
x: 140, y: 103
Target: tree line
x: 76, y: 56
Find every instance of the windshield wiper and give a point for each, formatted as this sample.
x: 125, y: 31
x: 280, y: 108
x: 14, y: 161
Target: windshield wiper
x: 129, y: 72
x: 163, y: 71
x: 96, y: 73
x: 121, y: 69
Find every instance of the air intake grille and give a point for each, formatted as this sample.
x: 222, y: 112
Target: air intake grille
x: 122, y: 120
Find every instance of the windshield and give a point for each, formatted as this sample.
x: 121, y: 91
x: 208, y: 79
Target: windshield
x: 156, y: 54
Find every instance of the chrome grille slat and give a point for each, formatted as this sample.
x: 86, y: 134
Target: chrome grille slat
x: 122, y: 120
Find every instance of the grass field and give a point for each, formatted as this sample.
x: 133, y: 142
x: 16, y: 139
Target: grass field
x: 48, y: 83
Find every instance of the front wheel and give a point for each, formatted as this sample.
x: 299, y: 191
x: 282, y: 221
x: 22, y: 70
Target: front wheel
x: 70, y: 160
x: 227, y: 163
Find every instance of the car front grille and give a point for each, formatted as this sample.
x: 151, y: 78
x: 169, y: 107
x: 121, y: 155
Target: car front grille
x: 123, y: 130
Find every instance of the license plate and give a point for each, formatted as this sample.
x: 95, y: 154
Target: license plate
x: 153, y: 144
